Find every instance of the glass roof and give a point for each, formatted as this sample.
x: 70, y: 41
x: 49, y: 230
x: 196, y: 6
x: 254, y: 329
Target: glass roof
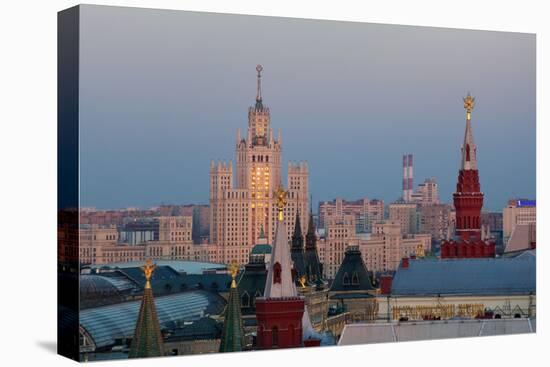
x: 107, y: 323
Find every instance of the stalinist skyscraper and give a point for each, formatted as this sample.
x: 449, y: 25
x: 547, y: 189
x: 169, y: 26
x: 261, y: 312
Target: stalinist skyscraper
x: 244, y: 207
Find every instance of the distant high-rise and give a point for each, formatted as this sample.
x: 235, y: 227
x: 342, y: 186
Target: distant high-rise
x: 468, y: 201
x: 239, y: 212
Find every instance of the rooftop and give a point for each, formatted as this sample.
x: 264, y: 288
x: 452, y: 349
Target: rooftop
x: 108, y: 323
x: 181, y: 266
x: 481, y: 276
x: 426, y: 330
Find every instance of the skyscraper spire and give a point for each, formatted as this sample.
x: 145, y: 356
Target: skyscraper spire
x: 469, y: 160
x: 147, y: 341
x: 259, y: 104
x: 232, y: 339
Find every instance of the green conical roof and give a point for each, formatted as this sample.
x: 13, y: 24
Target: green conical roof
x: 147, y: 341
x: 232, y: 332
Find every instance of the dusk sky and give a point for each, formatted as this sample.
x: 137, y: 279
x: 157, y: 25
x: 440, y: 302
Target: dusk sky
x: 164, y: 92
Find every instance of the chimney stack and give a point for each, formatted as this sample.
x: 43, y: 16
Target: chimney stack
x: 407, y: 177
x: 385, y: 284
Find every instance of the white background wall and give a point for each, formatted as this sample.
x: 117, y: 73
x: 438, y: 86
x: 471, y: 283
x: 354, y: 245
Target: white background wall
x: 28, y: 179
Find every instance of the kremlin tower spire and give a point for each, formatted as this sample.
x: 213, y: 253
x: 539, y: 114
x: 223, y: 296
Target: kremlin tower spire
x: 297, y: 250
x: 314, y: 268
x: 468, y: 201
x: 279, y: 276
x: 280, y: 311
x: 147, y: 341
x: 469, y: 161
x: 232, y: 339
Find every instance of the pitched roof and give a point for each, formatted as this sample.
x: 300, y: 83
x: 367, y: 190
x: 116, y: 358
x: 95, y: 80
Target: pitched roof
x: 486, y: 276
x: 352, y: 274
x: 232, y: 333
x: 147, y: 340
x: 279, y: 281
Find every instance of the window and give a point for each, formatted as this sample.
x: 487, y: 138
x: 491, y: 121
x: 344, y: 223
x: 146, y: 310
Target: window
x: 274, y: 336
x: 277, y: 273
x: 245, y: 300
x: 355, y: 279
x: 345, y: 279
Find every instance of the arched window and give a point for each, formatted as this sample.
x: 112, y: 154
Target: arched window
x: 267, y: 158
x: 355, y: 279
x: 253, y: 158
x: 245, y: 300
x: 274, y: 336
x: 277, y: 273
x: 345, y: 279
x: 467, y: 152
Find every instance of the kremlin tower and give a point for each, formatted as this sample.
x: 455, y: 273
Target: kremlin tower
x: 283, y: 320
x: 468, y: 201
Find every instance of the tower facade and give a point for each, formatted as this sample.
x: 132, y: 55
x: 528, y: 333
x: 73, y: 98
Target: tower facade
x: 468, y: 201
x: 242, y: 205
x: 280, y: 312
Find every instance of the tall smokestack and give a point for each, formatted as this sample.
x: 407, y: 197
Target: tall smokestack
x: 405, y: 177
x: 410, y: 176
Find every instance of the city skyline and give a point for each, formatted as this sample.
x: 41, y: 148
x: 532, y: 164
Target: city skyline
x: 165, y: 95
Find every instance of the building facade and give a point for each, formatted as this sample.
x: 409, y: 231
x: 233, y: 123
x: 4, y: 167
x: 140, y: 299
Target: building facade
x: 242, y: 203
x: 405, y: 213
x: 518, y: 211
x: 365, y: 211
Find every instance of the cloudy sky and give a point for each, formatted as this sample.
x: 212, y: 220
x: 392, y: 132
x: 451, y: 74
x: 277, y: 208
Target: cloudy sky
x: 163, y: 93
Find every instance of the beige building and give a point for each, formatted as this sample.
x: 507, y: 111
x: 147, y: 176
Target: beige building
x: 387, y: 246
x: 381, y: 251
x: 517, y: 212
x: 437, y: 220
x: 242, y: 200
x: 427, y: 193
x: 99, y: 243
x: 339, y: 234
x: 406, y: 214
x: 365, y: 211
x: 176, y: 229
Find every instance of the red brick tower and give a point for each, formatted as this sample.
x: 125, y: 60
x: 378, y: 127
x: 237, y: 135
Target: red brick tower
x: 280, y: 311
x: 468, y: 201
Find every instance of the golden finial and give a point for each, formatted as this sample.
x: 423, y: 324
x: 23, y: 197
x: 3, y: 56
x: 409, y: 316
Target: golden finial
x: 280, y: 194
x: 420, y: 251
x: 234, y: 270
x: 148, y: 269
x: 302, y: 281
x: 469, y: 103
